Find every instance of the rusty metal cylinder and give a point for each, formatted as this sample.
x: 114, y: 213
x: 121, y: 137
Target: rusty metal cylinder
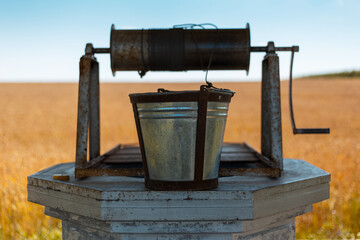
x: 179, y: 49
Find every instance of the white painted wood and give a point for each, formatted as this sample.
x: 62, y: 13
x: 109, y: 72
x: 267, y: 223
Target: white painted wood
x: 121, y: 207
x: 168, y: 227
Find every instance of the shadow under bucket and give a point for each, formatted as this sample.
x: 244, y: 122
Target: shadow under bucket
x: 181, y: 136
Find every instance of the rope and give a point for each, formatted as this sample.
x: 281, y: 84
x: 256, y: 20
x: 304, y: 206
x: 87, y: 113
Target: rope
x: 202, y: 26
x: 144, y: 67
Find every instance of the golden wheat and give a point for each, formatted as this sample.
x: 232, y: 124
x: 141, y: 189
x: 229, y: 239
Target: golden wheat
x: 38, y: 128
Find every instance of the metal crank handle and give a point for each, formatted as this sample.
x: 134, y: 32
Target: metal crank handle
x: 311, y: 131
x: 277, y: 49
x: 292, y: 118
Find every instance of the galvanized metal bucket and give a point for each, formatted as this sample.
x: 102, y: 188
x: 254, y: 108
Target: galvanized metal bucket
x: 180, y: 136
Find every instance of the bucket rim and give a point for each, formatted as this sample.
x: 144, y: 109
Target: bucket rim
x: 214, y: 95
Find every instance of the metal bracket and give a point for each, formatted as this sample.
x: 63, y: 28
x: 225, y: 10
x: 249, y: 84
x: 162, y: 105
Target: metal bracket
x: 271, y: 132
x: 88, y: 122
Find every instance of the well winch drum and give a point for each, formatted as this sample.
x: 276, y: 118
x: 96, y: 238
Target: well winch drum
x: 179, y: 49
x: 181, y: 135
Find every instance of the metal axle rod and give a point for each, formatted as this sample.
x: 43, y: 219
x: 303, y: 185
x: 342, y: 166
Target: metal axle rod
x: 102, y: 50
x: 282, y: 49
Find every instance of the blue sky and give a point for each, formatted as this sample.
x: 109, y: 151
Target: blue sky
x: 43, y: 40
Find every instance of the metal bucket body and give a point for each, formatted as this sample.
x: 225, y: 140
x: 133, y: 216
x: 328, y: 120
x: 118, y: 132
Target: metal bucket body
x: 169, y: 128
x: 215, y: 128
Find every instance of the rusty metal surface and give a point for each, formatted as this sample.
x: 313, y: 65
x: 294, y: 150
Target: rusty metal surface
x: 88, y: 121
x: 277, y: 49
x: 201, y: 135
x: 271, y: 132
x: 94, y: 111
x: 129, y: 50
x: 83, y: 111
x: 180, y: 49
x: 130, y: 172
x: 246, y: 171
x: 125, y: 160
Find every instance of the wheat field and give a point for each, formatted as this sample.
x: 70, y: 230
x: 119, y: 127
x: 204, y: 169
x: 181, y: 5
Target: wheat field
x: 38, y: 129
